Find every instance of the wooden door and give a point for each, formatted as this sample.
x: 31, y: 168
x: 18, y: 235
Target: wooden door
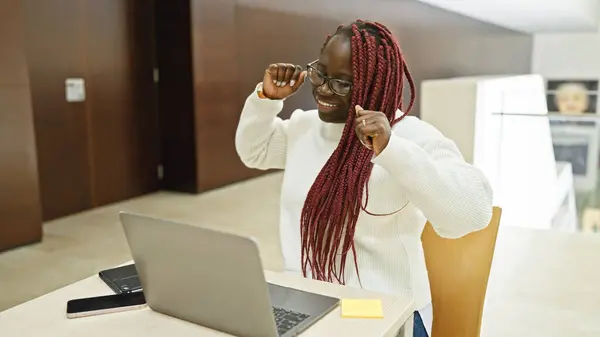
x: 124, y: 137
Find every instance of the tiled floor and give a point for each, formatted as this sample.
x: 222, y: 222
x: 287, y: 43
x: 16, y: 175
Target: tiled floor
x: 81, y: 245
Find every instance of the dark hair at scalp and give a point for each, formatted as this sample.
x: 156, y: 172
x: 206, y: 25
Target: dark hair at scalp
x: 334, y: 201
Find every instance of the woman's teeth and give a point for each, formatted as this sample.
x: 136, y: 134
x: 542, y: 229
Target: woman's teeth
x: 327, y: 104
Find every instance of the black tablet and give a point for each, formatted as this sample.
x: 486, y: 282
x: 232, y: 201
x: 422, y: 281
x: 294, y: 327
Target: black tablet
x: 122, y: 279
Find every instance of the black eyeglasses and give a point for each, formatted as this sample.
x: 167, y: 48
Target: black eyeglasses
x: 337, y: 86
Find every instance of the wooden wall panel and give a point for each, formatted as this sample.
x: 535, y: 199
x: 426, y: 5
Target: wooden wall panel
x: 20, y: 210
x: 55, y: 44
x: 215, y: 68
x: 13, y: 66
x: 106, y: 148
x: 122, y: 103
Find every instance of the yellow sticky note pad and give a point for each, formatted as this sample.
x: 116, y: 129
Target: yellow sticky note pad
x: 361, y: 308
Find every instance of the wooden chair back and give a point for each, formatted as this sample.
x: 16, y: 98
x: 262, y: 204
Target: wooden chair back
x: 459, y: 270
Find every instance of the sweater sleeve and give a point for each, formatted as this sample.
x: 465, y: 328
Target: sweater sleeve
x: 261, y: 136
x: 453, y: 195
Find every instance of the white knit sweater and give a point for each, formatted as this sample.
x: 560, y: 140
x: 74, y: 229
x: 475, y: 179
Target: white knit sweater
x: 419, y: 168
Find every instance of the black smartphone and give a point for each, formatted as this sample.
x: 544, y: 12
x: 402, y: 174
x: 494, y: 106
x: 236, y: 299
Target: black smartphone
x: 91, y: 306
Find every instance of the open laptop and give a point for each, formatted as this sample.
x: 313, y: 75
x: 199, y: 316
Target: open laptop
x: 215, y: 279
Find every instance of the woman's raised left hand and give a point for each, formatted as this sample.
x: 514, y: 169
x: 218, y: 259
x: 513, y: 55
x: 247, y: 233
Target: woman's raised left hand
x: 372, y: 129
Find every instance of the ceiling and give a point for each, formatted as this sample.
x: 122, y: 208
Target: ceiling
x: 412, y: 14
x: 531, y: 16
x: 526, y: 16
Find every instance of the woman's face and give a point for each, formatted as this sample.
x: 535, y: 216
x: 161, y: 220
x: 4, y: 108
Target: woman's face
x: 571, y: 98
x: 335, y: 62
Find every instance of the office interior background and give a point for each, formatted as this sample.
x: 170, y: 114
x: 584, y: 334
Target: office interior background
x: 133, y: 104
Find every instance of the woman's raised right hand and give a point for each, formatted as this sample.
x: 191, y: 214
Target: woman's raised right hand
x: 281, y: 80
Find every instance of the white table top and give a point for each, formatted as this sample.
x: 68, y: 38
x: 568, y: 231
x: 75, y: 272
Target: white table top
x: 543, y: 283
x: 45, y: 316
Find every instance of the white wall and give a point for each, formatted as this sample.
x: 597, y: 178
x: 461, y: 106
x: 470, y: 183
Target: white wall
x: 567, y: 55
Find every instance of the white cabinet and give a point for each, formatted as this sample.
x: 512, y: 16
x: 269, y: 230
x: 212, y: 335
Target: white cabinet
x: 500, y: 125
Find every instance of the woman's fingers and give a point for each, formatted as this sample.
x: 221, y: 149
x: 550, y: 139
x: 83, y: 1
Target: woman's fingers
x: 369, y: 125
x: 296, y: 75
x: 282, y: 80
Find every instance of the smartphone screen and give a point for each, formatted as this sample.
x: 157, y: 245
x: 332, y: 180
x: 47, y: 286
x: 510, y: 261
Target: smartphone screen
x: 105, y: 304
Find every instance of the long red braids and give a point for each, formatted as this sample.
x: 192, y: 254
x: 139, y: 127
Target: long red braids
x: 334, y: 201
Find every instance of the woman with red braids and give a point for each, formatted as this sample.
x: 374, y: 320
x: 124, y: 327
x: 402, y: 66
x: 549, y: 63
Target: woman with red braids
x: 361, y: 178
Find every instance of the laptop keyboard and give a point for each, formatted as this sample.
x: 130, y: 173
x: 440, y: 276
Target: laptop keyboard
x: 286, y: 320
